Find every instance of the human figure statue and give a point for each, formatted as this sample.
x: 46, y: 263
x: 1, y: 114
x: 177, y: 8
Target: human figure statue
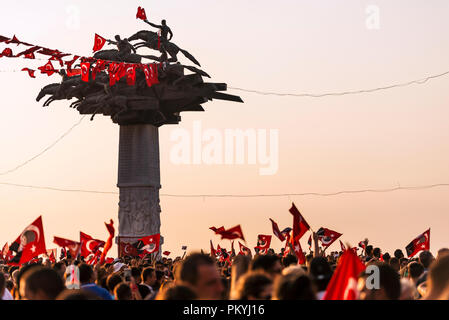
x: 124, y: 47
x: 165, y: 30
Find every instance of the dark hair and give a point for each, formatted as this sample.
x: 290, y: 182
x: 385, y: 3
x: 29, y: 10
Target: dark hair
x: 46, y: 280
x: 264, y: 262
x: 252, y: 284
x: 19, y: 277
x: 86, y: 273
x: 439, y: 274
x: 376, y: 252
x: 394, y: 260
x: 72, y: 294
x: 179, y: 292
x: 112, y: 281
x: 389, y: 280
x: 415, y: 269
x: 398, y: 253
x: 146, y: 273
x: 425, y: 258
x: 136, y: 272
x: 123, y: 292
x: 289, y: 260
x: 320, y: 272
x: 369, y: 250
x: 188, y: 270
x: 294, y: 287
x: 386, y: 256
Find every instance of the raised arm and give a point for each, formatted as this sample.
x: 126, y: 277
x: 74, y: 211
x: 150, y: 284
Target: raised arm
x: 152, y: 24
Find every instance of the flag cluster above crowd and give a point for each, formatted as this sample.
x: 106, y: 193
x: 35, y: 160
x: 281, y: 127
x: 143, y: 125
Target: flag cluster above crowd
x: 89, y: 67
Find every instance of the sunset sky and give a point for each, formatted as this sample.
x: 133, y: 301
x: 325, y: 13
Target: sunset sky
x: 391, y: 138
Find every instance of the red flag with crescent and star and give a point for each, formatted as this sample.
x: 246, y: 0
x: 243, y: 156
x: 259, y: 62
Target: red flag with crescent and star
x: 85, y: 68
x: 127, y: 249
x: 30, y: 243
x: 30, y: 72
x: 99, y: 42
x: 89, y: 245
x: 263, y: 243
x: 276, y: 230
x: 73, y: 246
x: 300, y: 225
x: 422, y: 242
x: 47, y: 69
x: 327, y: 236
x: 149, y: 244
x: 343, y: 284
x: 233, y: 233
x: 141, y: 14
x: 244, y: 250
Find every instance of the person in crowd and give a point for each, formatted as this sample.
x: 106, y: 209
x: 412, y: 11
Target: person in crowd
x: 389, y: 284
x: 294, y: 285
x: 438, y: 279
x: 178, y: 292
x: 112, y: 281
x: 255, y: 285
x: 321, y: 273
x: 398, y: 254
x: 289, y: 260
x: 394, y: 263
x: 87, y: 280
x: 442, y: 252
x: 201, y: 273
x: 425, y: 258
x: 148, y: 277
x: 270, y: 264
x: 122, y: 291
x: 415, y: 271
x: 41, y: 283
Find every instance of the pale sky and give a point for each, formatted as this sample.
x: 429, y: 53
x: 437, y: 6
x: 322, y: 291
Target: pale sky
x: 375, y: 140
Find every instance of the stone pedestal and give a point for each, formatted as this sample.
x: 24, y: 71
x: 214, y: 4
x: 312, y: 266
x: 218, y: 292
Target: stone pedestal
x: 139, y: 182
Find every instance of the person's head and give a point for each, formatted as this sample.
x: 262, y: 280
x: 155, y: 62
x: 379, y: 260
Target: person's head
x: 41, y: 284
x: 149, y: 276
x: 386, y: 257
x: 294, y: 286
x: 426, y: 258
x: 438, y: 277
x: 387, y: 286
x: 164, y: 22
x: 394, y: 263
x: 60, y: 268
x: 117, y: 37
x: 123, y: 292
x: 112, y: 281
x: 376, y: 253
x: 415, y: 270
x: 17, y: 276
x: 255, y: 286
x: 369, y: 250
x: 200, y: 271
x: 270, y: 264
x: 320, y: 273
x: 77, y: 294
x: 398, y: 254
x: 87, y: 274
x: 136, y: 273
x: 403, y: 262
x: 442, y: 252
x: 289, y: 260
x: 178, y: 292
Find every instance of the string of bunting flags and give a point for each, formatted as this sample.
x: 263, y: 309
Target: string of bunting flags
x: 89, y: 66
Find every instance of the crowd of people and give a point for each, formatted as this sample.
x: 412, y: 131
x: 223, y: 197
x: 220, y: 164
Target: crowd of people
x: 242, y: 277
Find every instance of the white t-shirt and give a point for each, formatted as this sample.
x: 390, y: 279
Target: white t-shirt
x: 7, y: 295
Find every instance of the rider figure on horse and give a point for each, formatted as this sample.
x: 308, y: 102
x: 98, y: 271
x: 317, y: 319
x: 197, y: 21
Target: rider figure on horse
x: 124, y: 47
x: 165, y: 30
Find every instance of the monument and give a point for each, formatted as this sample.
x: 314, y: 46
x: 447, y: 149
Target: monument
x: 139, y: 98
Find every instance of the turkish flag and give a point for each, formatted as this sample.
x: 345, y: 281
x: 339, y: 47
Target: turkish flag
x: 141, y: 14
x: 30, y: 72
x: 51, y: 253
x: 166, y: 253
x: 243, y: 249
x: 14, y: 40
x: 73, y: 246
x: 217, y: 231
x: 213, y: 253
x: 263, y: 243
x: 300, y: 225
x: 7, y: 52
x: 30, y: 243
x: 362, y: 245
x: 108, y: 245
x: 127, y: 249
x: 100, y: 65
x: 149, y: 244
x: 89, y: 245
x: 343, y: 284
x: 130, y: 74
x: 422, y: 242
x: 93, y: 258
x: 73, y: 72
x: 47, y: 69
x: 71, y: 62
x: 299, y: 253
x: 85, y: 68
x: 327, y: 236
x: 233, y: 233
x: 151, y: 75
x: 98, y: 42
x: 276, y: 230
x: 29, y: 53
x: 343, y: 248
